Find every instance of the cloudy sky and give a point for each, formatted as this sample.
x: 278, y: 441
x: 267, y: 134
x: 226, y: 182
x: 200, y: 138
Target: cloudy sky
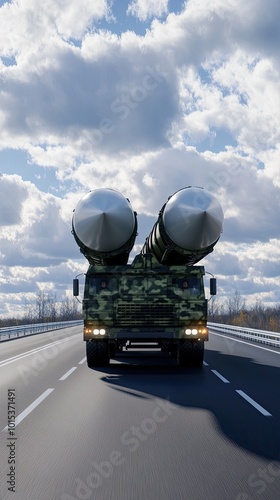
x: 145, y: 97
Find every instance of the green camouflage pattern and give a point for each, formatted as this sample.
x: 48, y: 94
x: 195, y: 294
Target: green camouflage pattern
x: 144, y: 299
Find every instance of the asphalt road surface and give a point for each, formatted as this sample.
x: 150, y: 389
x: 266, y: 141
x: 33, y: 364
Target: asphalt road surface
x: 141, y: 429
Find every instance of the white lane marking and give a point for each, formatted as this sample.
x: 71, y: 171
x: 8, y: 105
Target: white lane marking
x: 248, y: 343
x: 253, y: 403
x: 31, y: 407
x: 68, y: 373
x: 82, y: 361
x: 28, y: 353
x: 220, y: 376
x: 205, y: 364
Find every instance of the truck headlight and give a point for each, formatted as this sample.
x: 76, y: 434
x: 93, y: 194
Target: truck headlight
x: 191, y: 331
x: 99, y: 331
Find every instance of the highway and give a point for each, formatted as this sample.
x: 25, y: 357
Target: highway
x: 141, y: 429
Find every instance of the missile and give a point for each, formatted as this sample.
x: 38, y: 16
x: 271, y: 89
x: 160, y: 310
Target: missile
x: 104, y: 227
x: 187, y: 229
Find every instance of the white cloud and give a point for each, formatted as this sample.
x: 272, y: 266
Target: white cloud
x: 22, y: 285
x: 13, y: 193
x: 45, y: 22
x: 36, y: 245
x: 252, y: 269
x: 74, y: 18
x: 143, y: 9
x: 32, y: 230
x: 194, y: 100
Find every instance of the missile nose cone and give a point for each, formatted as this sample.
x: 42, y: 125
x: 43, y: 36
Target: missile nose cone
x: 193, y: 218
x: 103, y: 220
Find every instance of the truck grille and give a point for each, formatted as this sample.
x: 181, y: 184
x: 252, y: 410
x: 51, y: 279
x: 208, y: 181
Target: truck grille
x: 142, y: 314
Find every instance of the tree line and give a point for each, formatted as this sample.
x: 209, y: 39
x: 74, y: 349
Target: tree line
x: 235, y: 312
x: 46, y: 309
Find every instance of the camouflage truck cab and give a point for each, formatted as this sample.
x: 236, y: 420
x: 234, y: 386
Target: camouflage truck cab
x: 145, y: 304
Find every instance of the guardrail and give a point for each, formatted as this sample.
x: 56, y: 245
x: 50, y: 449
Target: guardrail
x: 261, y: 336
x: 11, y: 332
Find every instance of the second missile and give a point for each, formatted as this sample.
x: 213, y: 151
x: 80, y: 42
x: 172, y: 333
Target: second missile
x: 188, y: 227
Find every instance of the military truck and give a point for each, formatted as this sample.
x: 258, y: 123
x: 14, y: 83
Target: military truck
x: 158, y: 300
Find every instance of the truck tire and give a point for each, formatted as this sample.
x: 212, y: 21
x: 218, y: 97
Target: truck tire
x: 115, y: 349
x: 198, y: 354
x: 190, y: 353
x: 174, y: 351
x: 112, y: 350
x: 98, y: 353
x: 184, y: 355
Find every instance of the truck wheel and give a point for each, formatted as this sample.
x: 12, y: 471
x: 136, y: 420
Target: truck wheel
x: 184, y: 355
x: 98, y: 353
x: 174, y: 351
x: 190, y: 353
x: 113, y: 350
x: 198, y: 354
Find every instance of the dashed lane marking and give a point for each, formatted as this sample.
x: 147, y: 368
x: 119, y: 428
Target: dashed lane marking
x: 253, y: 403
x: 220, y: 376
x: 68, y: 373
x: 31, y: 407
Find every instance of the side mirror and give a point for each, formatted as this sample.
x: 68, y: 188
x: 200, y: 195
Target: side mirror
x: 75, y: 287
x: 213, y: 286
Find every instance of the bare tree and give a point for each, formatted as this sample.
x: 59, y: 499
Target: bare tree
x: 69, y: 309
x: 213, y: 308
x: 235, y: 303
x: 46, y: 307
x: 41, y: 305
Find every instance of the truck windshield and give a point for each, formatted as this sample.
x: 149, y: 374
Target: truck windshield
x: 186, y: 286
x: 102, y: 285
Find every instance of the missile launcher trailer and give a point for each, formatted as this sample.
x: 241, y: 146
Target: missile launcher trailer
x: 158, y: 300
